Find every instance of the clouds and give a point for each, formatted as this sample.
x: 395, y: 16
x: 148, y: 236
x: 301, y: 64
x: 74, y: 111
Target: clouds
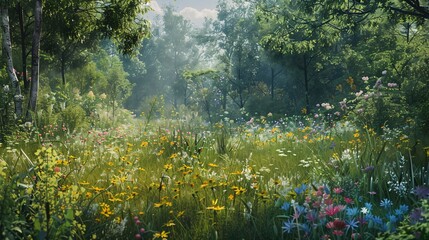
x: 194, y: 15
x: 197, y: 16
x: 156, y: 8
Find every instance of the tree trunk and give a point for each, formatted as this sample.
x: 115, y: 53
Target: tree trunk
x: 7, y: 51
x: 23, y: 49
x: 35, y: 59
x: 63, y: 70
x: 272, y: 83
x: 307, y: 98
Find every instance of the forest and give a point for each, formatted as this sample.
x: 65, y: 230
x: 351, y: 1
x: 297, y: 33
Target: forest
x: 278, y: 119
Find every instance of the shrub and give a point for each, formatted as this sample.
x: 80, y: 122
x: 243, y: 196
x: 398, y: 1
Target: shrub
x: 74, y: 117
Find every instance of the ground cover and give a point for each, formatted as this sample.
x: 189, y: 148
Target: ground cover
x: 297, y: 178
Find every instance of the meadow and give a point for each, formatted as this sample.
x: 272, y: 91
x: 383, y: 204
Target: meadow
x: 293, y: 178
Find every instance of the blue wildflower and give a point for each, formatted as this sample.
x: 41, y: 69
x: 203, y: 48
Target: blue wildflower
x: 386, y: 203
x: 368, y: 206
x: 377, y: 220
x: 301, y: 189
x: 300, y: 209
x: 351, y: 212
x: 392, y: 218
x: 285, y: 206
x: 398, y: 212
x: 369, y: 217
x: 403, y: 208
x: 353, y: 224
x: 288, y: 226
x: 305, y: 227
x: 326, y: 189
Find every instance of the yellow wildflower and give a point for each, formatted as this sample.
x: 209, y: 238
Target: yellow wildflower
x: 215, y: 207
x: 163, y: 235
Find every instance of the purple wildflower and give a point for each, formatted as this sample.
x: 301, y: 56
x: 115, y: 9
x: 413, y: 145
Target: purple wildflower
x: 421, y: 192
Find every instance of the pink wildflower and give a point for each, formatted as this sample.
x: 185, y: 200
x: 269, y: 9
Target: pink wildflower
x: 338, y: 232
x: 331, y: 210
x: 338, y: 190
x: 348, y: 200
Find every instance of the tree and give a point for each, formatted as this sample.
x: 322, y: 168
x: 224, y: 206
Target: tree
x: 178, y: 52
x: 35, y: 59
x: 114, y: 83
x: 72, y: 26
x: 7, y: 51
x: 417, y: 9
x: 288, y: 30
x: 237, y: 32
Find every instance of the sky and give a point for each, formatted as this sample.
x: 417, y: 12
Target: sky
x: 192, y: 10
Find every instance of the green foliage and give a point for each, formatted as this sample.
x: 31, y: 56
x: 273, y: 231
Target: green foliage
x: 413, y: 230
x: 74, y: 117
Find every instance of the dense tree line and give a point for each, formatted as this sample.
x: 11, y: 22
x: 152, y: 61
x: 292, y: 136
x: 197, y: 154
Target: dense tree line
x: 278, y: 57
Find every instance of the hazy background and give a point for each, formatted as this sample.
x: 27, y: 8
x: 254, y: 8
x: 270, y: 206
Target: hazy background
x: 193, y: 10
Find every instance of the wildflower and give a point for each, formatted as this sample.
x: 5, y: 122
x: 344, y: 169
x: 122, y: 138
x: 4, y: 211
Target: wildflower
x: 288, y: 226
x: 338, y: 232
x: 377, y: 220
x: 215, y: 207
x: 401, y: 210
x: 355, y: 236
x: 386, y: 203
x: 105, y: 210
x: 103, y: 96
x: 331, y: 210
x: 330, y: 225
x: 422, y: 192
x: 327, y: 106
x: 356, y: 134
x: 170, y: 223
x: 168, y: 166
x: 301, y: 189
x: 353, y: 224
x: 392, y: 85
x: 339, y: 224
x: 163, y: 235
x: 348, y: 200
x: 365, y: 79
x: 384, y: 72
x: 311, y: 216
x: 416, y: 215
x: 358, y: 94
x: 343, y: 104
x: 285, y: 206
x: 97, y: 189
x: 368, y: 206
x: 231, y: 197
x: 338, y: 190
x: 364, y: 210
x: 351, y: 212
x: 91, y: 95
x: 239, y: 190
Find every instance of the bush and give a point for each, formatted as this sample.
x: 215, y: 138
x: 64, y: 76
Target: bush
x: 74, y: 117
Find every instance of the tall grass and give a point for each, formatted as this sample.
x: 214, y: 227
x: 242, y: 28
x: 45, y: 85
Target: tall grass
x: 172, y: 179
